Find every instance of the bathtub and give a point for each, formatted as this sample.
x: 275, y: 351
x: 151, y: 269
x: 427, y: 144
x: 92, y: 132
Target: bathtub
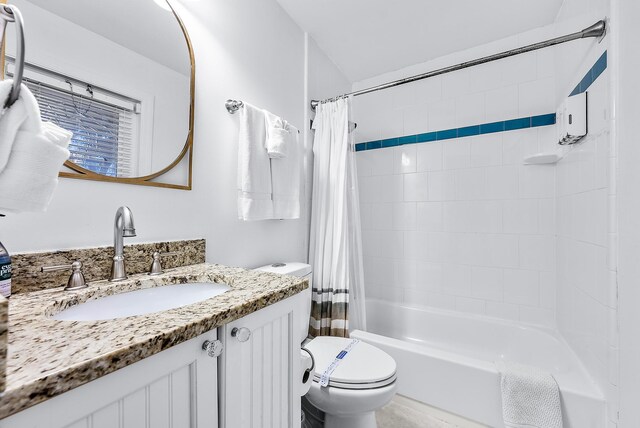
x: 447, y: 360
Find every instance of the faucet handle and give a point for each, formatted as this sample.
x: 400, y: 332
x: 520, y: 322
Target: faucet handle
x: 76, y: 280
x: 156, y: 266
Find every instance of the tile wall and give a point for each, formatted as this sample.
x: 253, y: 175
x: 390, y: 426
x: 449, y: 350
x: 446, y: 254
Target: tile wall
x: 460, y: 223
x: 587, y: 241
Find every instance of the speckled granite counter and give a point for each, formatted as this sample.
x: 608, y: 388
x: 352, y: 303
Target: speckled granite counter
x: 47, y: 357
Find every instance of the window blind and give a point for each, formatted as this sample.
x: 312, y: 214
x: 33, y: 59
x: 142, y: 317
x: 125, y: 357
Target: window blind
x: 104, y: 134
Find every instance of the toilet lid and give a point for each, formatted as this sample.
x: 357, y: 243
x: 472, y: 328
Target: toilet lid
x: 364, y: 367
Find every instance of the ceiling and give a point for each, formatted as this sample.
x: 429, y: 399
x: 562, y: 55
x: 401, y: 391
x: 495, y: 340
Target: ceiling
x: 139, y: 25
x: 365, y: 38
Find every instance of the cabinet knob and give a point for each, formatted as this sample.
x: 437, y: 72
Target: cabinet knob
x: 213, y: 347
x: 242, y: 334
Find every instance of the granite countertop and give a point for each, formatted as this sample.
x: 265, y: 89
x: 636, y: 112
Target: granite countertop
x: 47, y: 357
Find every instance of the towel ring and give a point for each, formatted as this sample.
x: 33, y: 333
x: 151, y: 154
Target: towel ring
x: 10, y: 13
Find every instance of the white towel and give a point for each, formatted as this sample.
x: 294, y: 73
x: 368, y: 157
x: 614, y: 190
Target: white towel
x: 286, y: 179
x: 530, y: 397
x: 254, y: 167
x: 278, y: 140
x: 12, y: 119
x: 38, y: 151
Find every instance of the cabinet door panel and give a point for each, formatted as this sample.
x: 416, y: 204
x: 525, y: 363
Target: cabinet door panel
x: 176, y: 388
x: 258, y: 375
x: 134, y: 409
x: 107, y: 417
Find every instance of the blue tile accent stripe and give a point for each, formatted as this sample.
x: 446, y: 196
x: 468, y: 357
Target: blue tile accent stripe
x: 598, y: 68
x: 467, y: 131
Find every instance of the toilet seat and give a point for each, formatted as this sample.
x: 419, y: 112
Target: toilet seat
x: 364, y: 367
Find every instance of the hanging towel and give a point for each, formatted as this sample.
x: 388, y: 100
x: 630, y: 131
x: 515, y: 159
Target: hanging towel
x: 530, y: 397
x: 278, y: 139
x: 37, y: 152
x: 286, y: 179
x: 254, y: 168
x: 11, y: 120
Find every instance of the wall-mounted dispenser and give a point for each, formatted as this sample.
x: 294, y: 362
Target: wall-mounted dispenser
x: 573, y: 119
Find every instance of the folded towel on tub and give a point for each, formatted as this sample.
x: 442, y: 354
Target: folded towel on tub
x: 530, y: 397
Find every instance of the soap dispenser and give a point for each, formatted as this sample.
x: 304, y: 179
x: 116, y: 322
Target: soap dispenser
x: 5, y: 272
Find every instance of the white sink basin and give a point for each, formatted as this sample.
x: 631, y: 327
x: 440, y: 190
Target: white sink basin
x: 142, y: 302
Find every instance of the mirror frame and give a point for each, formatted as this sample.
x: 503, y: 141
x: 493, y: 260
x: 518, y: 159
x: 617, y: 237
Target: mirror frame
x: 187, y: 149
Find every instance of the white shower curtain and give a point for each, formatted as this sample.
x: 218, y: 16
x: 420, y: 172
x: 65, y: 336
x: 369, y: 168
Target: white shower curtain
x: 335, y: 241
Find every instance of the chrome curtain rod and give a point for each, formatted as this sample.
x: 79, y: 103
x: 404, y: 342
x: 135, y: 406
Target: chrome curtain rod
x: 598, y: 29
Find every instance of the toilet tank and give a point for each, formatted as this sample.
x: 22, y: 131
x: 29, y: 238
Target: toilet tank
x: 301, y: 270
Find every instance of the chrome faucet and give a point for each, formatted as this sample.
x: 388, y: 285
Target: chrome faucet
x: 122, y: 228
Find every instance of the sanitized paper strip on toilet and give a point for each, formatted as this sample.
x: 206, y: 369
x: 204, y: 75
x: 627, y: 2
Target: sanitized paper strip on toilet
x: 326, y: 375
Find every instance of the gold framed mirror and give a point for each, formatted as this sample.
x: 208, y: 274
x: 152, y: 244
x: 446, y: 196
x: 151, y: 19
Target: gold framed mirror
x: 120, y: 75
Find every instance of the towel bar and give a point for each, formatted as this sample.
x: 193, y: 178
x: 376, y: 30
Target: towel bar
x: 235, y: 105
x: 10, y: 13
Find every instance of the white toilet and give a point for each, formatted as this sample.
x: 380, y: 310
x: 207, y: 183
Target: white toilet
x: 365, y: 379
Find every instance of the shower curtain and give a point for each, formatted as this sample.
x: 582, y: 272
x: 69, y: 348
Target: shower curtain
x: 335, y: 242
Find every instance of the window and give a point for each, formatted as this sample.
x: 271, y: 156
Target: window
x: 105, y: 125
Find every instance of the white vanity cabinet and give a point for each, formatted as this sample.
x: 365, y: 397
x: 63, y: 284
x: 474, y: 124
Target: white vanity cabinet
x: 176, y: 388
x: 260, y: 368
x: 254, y: 383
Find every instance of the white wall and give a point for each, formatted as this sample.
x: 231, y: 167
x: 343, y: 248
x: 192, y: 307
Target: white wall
x: 461, y: 224
x: 248, y: 50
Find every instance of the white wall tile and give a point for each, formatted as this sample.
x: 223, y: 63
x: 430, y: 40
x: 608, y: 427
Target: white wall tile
x: 487, y: 283
x: 537, y: 252
x: 389, y: 189
x: 516, y: 145
x: 456, y: 154
x: 470, y: 109
x: 537, y: 181
x: 502, y: 182
x: 405, y: 159
x: 486, y: 150
x: 366, y: 216
x: 521, y: 287
x: 502, y: 104
x: 363, y: 163
x: 404, y: 216
x: 442, y: 115
x: 457, y: 279
x: 415, y: 120
x: 381, y: 161
x: 521, y: 216
x: 382, y: 216
x: 537, y: 97
x: 441, y: 185
x: 391, y: 124
x: 405, y: 274
x: 429, y: 276
x: 429, y: 156
x: 470, y: 184
x: 416, y: 187
x: 429, y: 216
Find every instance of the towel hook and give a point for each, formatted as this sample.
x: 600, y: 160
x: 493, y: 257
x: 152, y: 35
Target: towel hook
x: 10, y: 13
